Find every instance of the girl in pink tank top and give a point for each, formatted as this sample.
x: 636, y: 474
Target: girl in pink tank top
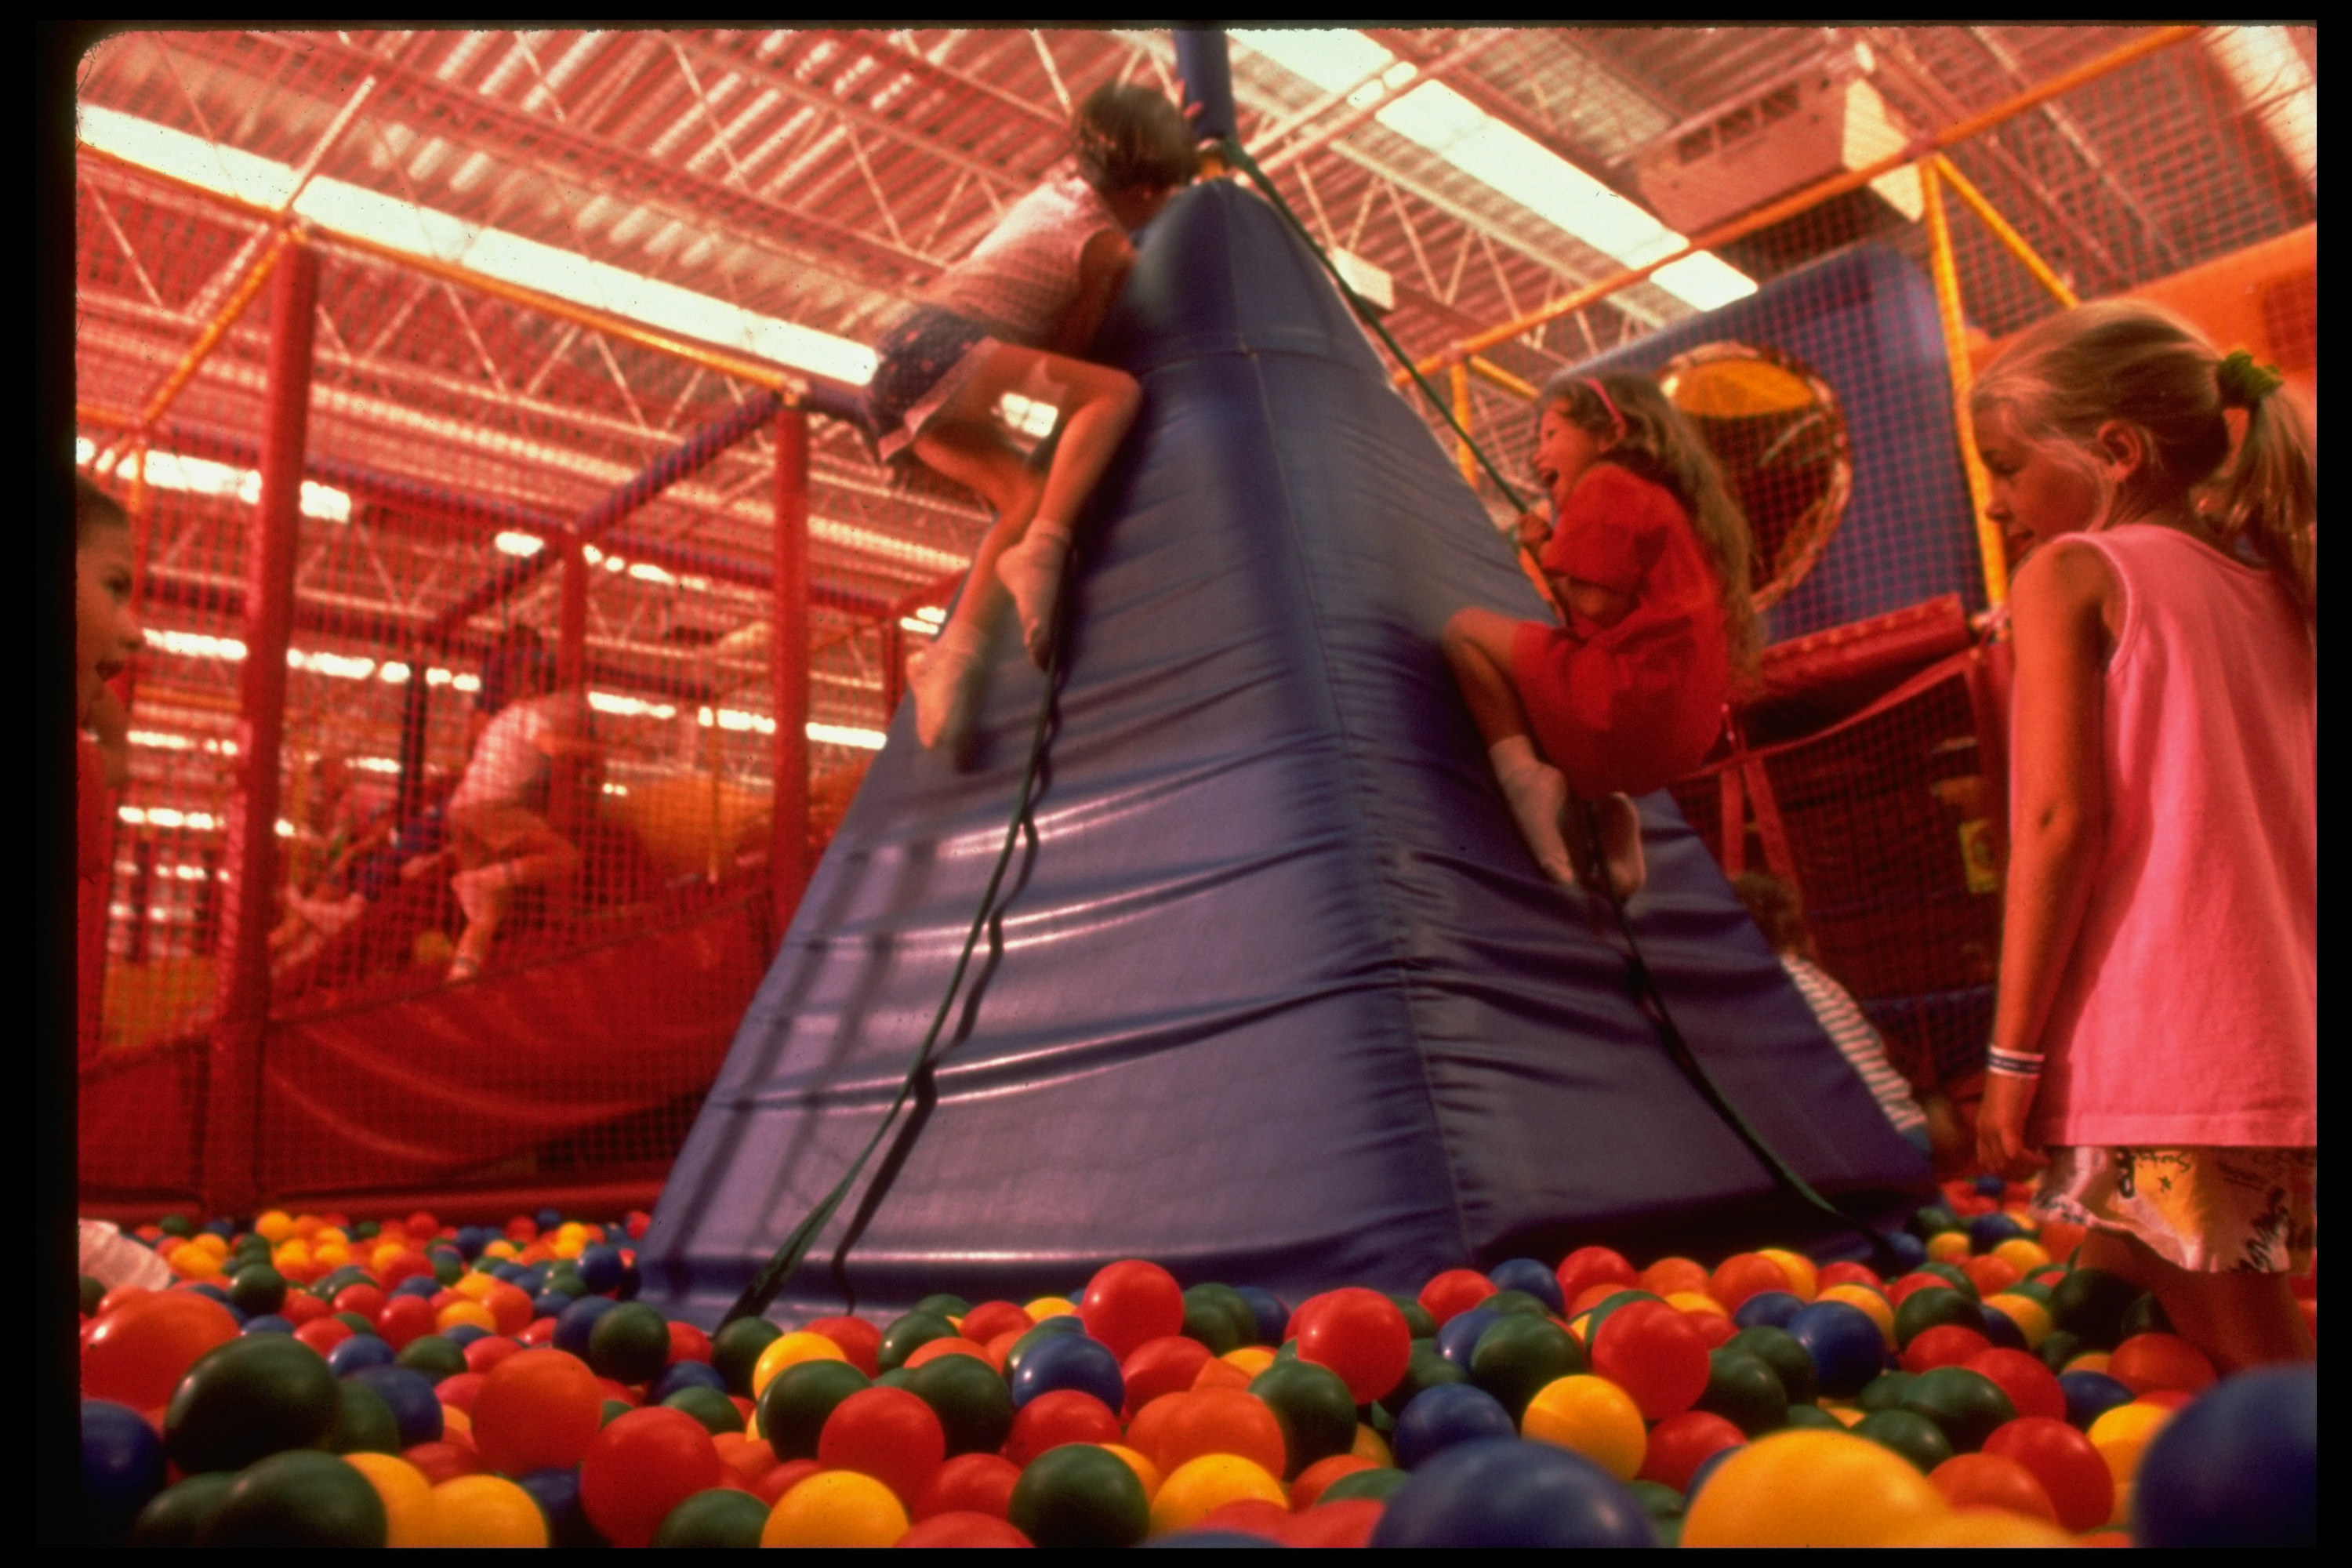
x: 2156, y: 1042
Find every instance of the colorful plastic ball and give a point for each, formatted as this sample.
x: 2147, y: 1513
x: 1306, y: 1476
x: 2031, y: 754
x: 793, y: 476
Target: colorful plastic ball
x: 719, y: 1517
x: 432, y: 1356
x: 1779, y: 1350
x: 258, y: 1289
x: 2090, y: 1303
x: 1315, y: 1409
x: 1844, y: 1343
x: 122, y: 1466
x: 1447, y: 1417
x: 1128, y: 1302
x: 1309, y: 1483
x: 791, y: 1349
x: 1271, y: 1313
x: 1591, y: 1417
x: 1682, y: 1442
x: 1458, y: 1338
x: 1052, y: 1419
x: 1967, y: 1405
x: 1183, y: 1426
x: 1361, y: 1335
x: 557, y: 1492
x: 299, y: 1498
x: 2089, y: 1396
x: 716, y: 1413
x: 1766, y: 1309
x: 2073, y: 1475
x: 795, y: 1403
x: 1934, y: 1307
x: 1589, y: 1266
x: 248, y: 1398
x: 2031, y: 1387
x: 1907, y: 1433
x: 2148, y: 1362
x: 1165, y: 1365
x: 1218, y: 1317
x: 1080, y: 1495
x: 1746, y: 1274
x: 536, y: 1409
x: 1528, y: 1274
x: 136, y: 1354
x: 1668, y: 1275
x: 908, y: 1333
x: 1992, y: 1480
x: 685, y: 1375
x: 628, y: 1343
x: 364, y: 1422
x: 1071, y: 1361
x: 1519, y: 1355
x: 1200, y: 1486
x: 1810, y: 1488
x: 409, y: 1395
x: 1651, y: 1350
x: 969, y: 1483
x: 1046, y: 1329
x: 576, y: 1324
x: 736, y: 1348
x: 2237, y: 1467
x: 1375, y: 1485
x: 1946, y: 1344
x: 1504, y: 1493
x: 1743, y: 1388
x: 178, y: 1514
x: 406, y: 1494
x: 360, y: 1352
x: 963, y: 1529
x: 1424, y: 1369
x: 836, y: 1508
x: 974, y: 1407
x: 1983, y: 1527
x: 640, y: 1467
x: 487, y: 1510
x: 1457, y: 1290
x: 887, y: 1433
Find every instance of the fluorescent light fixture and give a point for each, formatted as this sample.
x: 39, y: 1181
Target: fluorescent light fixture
x: 846, y: 735
x: 647, y: 572
x: 1027, y: 415
x: 201, y: 476
x: 2268, y: 72
x: 512, y: 542
x: 933, y: 613
x: 911, y: 623
x: 624, y: 707
x: 387, y: 220
x: 1434, y: 116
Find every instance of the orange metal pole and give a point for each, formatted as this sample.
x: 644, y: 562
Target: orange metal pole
x: 1989, y: 216
x: 1463, y: 454
x: 788, y: 867
x: 1813, y: 196
x: 1949, y: 310
x: 248, y: 289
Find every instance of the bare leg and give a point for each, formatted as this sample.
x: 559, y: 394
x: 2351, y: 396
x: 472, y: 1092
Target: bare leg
x: 1478, y: 647
x: 486, y: 893
x: 946, y: 676
x: 2238, y: 1318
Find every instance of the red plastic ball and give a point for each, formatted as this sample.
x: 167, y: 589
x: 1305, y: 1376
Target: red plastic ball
x: 645, y: 1463
x: 538, y: 1331
x: 421, y: 1226
x: 778, y: 1479
x: 300, y: 1307
x: 1845, y: 1273
x: 1454, y: 1293
x: 636, y: 1222
x: 1683, y: 1442
x: 1992, y: 1480
x: 1713, y: 1328
x: 409, y: 1265
x: 1130, y: 1302
x: 1361, y: 1335
x: 1745, y: 1274
x: 1670, y: 1275
x: 1246, y: 1516
x: 136, y: 1354
x: 1349, y: 1523
x: 1946, y: 1344
x: 510, y: 1306
x: 888, y: 1433
x: 1589, y: 1266
x: 404, y: 1319
x: 611, y: 1388
x: 1061, y: 1415
x: 445, y: 1460
x: 360, y: 1296
x: 2146, y: 1363
x: 1652, y: 1352
x: 1902, y: 1288
x: 687, y: 1342
x: 323, y: 1334
x: 858, y: 1339
x: 1209, y: 1421
x: 457, y: 1391
x: 963, y: 1529
x: 969, y: 1483
x: 537, y: 1409
x: 990, y: 1318
x: 2070, y: 1470
x: 487, y: 1351
x: 2033, y: 1388
x: 1991, y: 1275
x: 1164, y: 1365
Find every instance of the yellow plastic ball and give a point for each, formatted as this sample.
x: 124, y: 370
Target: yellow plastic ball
x: 291, y: 1255
x: 1592, y: 1416
x: 2032, y: 1318
x: 476, y: 1287
x: 1045, y: 1307
x: 1851, y: 1414
x: 2022, y: 1254
x: 1804, y: 1279
x: 836, y: 1508
x: 212, y: 1241
x: 473, y: 1312
x: 2122, y: 1434
x: 383, y: 1256
x: 1810, y: 1488
x: 1371, y: 1445
x: 1251, y: 1359
x: 500, y: 1248
x: 791, y: 1349
x: 1145, y: 1470
x: 329, y: 1254
x: 1949, y: 1245
x: 408, y: 1502
x: 1696, y: 1301
x: 456, y: 1420
x: 1982, y: 1526
x: 568, y: 1246
x: 274, y: 1227
x: 1582, y: 1328
x: 1199, y: 1486
x: 486, y: 1511
x: 331, y: 1233
x: 2089, y: 1360
x: 193, y: 1262
x: 1870, y: 1301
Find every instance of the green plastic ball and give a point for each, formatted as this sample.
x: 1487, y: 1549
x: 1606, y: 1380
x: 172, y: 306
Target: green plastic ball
x: 629, y: 1344
x: 1219, y: 1317
x: 365, y: 1424
x: 1423, y: 1369
x: 1312, y: 1405
x: 1744, y: 1390
x: 299, y: 1498
x: 256, y: 1395
x: 1373, y: 1486
x: 1515, y: 1359
x: 945, y: 1304
x: 1968, y: 1405
x: 1080, y: 1495
x: 797, y: 1400
x: 174, y: 1515
x: 713, y: 1409
x: 735, y: 1350
x: 257, y: 1287
x: 433, y: 1356
x: 1885, y: 1390
x: 908, y: 1333
x: 1779, y: 1349
x: 1914, y: 1437
x: 719, y: 1517
x: 973, y: 1403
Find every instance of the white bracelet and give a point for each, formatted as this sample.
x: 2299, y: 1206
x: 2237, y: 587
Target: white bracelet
x: 2014, y: 1064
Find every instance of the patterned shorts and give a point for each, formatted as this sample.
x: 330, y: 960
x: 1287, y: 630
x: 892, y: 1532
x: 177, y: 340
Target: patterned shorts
x: 2208, y: 1210
x: 923, y: 361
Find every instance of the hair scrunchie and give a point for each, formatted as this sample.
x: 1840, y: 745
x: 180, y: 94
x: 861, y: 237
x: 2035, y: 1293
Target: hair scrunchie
x: 2242, y: 382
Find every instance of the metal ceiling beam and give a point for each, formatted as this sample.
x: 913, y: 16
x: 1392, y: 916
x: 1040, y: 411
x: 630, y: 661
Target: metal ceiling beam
x: 1502, y: 106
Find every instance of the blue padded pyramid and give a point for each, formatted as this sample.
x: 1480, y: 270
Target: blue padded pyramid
x: 1278, y: 997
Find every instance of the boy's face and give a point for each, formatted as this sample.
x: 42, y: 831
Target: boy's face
x: 106, y: 634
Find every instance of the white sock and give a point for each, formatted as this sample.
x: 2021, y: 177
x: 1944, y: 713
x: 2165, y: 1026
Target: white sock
x: 944, y: 678
x: 1032, y: 572
x: 1538, y: 793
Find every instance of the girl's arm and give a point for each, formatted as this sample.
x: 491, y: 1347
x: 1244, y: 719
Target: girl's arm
x: 1102, y: 273
x: 2059, y: 605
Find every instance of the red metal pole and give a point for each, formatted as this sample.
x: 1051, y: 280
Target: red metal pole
x: 564, y: 807
x: 230, y: 1126
x: 788, y: 867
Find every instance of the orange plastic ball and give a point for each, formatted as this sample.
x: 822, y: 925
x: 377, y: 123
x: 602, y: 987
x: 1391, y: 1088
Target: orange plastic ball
x: 1989, y: 1480
x: 537, y: 1409
x: 1746, y: 1274
x: 1208, y: 1421
x: 2146, y: 1363
x: 1668, y: 1275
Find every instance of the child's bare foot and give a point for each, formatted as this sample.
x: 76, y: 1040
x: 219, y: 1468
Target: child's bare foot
x: 1032, y: 572
x: 1538, y: 793
x: 945, y: 678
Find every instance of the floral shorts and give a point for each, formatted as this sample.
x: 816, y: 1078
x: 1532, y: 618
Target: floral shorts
x: 2208, y: 1210
x: 922, y: 363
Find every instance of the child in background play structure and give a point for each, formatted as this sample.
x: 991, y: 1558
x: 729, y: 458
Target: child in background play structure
x: 496, y: 815
x: 1647, y: 559
x: 2157, y: 1032
x: 1780, y: 913
x: 1014, y: 316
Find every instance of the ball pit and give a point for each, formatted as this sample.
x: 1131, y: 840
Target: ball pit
x: 308, y: 1381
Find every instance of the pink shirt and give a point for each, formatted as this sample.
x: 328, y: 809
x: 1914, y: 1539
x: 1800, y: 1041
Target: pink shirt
x: 2190, y: 1011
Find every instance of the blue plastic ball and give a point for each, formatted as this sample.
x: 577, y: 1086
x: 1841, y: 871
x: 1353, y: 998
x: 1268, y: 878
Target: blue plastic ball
x: 122, y: 1466
x: 1535, y: 1279
x: 471, y: 1239
x: 423, y: 1286
x: 224, y: 1228
x: 600, y: 1268
x: 1987, y: 1231
x: 1767, y: 1308
x: 1503, y: 1493
x: 463, y: 1335
x: 557, y: 1492
x: 1908, y: 1249
x: 2001, y: 1328
x: 1845, y: 1345
x: 2091, y: 1394
x: 684, y: 1375
x: 1184, y: 1540
x: 1446, y: 1416
x: 408, y: 1393
x: 1272, y: 1313
x: 576, y: 1321
x: 359, y: 1352
x: 1069, y: 1360
x: 2237, y: 1467
x: 1458, y: 1336
x: 268, y: 1323
x: 548, y: 1219
x: 1990, y: 1186
x: 550, y: 1304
